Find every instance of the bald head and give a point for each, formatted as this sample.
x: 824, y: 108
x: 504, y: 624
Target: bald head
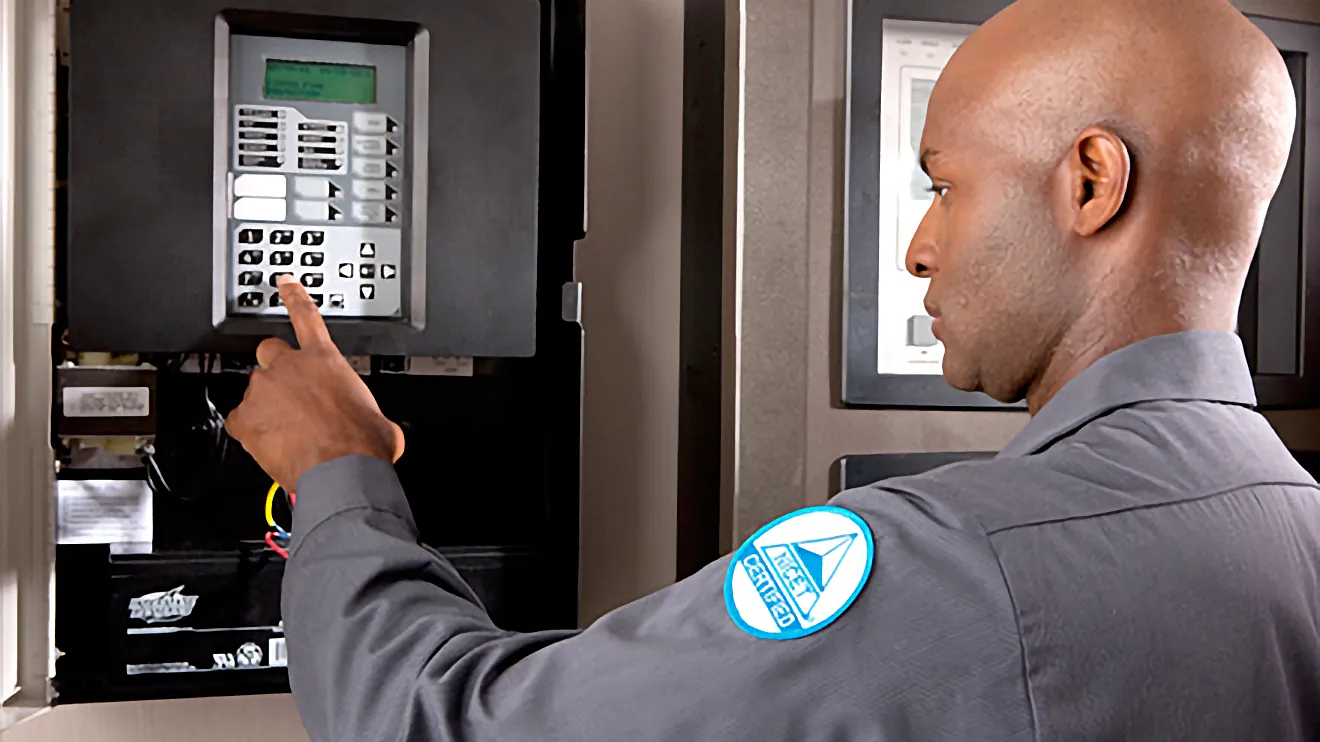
x: 1102, y: 172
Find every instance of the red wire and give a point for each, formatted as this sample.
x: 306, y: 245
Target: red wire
x: 270, y: 541
x: 293, y: 500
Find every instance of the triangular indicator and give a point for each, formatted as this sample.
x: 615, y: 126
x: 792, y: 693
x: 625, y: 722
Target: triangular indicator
x: 821, y: 557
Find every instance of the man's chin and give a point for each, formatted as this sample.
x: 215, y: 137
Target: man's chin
x: 958, y: 378
x: 969, y: 382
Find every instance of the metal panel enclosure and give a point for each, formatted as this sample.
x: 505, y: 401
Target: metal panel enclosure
x: 141, y: 173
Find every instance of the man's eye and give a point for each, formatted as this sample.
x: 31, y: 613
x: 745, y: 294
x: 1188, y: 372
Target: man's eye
x: 937, y: 190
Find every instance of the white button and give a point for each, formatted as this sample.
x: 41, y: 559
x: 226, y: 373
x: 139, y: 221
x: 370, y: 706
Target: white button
x: 261, y: 185
x: 371, y: 213
x: 263, y: 209
x: 369, y: 145
x: 312, y: 211
x: 369, y: 190
x: 368, y: 167
x: 370, y: 123
x: 387, y: 271
x: 345, y: 270
x: 314, y: 187
x: 368, y: 250
x: 368, y: 291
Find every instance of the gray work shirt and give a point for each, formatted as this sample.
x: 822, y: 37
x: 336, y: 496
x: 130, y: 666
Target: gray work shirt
x: 1142, y: 562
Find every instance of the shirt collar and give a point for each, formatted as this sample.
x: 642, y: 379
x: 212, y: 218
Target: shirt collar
x: 1193, y: 365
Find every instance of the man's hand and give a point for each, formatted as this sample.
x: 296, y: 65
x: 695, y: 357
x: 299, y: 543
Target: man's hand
x: 308, y: 406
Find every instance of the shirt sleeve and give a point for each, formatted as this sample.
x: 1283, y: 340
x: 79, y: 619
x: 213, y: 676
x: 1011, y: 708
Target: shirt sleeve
x: 387, y: 643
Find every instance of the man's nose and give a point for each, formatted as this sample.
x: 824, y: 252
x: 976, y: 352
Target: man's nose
x: 923, y: 250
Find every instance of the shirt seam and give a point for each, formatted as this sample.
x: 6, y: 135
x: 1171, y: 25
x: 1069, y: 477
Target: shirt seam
x: 1051, y: 437
x: 1022, y: 642
x: 1151, y: 506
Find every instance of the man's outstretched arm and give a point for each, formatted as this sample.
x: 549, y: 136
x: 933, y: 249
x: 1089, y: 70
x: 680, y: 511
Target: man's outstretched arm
x: 386, y: 642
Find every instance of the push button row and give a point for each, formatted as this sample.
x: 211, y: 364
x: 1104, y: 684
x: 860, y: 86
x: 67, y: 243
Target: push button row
x: 367, y: 270
x: 281, y: 257
x: 310, y: 238
x: 253, y: 278
x: 252, y: 299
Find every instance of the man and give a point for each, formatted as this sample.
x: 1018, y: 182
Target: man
x: 1141, y: 563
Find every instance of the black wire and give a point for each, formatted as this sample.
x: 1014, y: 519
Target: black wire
x: 155, y: 479
x: 200, y: 480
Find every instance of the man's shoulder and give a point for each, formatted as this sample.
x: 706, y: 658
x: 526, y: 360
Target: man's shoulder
x: 968, y: 497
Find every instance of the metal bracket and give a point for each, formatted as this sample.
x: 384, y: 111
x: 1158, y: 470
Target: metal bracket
x: 570, y: 306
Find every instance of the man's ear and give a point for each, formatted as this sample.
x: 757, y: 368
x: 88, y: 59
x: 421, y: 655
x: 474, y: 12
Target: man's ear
x: 1098, y: 172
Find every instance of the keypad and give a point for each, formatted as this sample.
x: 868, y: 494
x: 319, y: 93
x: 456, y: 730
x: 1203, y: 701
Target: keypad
x: 350, y: 283
x: 345, y: 202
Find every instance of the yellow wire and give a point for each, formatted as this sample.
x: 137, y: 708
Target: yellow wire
x: 270, y: 503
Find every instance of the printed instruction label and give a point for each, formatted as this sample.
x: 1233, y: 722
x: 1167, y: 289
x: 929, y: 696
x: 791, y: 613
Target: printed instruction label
x: 103, y: 511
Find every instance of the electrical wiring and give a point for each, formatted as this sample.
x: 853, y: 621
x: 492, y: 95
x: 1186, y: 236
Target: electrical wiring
x: 278, y: 535
x: 194, y: 475
x: 270, y: 541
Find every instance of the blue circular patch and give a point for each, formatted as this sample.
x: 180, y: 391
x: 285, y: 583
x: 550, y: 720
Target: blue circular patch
x: 799, y: 573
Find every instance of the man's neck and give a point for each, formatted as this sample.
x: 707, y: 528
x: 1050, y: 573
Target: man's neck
x: 1101, y: 332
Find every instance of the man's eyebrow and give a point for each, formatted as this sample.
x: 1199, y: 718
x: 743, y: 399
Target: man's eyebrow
x: 926, y: 154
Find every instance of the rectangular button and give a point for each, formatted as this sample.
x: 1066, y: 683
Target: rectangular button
x: 260, y: 184
x: 314, y: 187
x: 368, y: 122
x: 369, y: 190
x: 368, y: 145
x: 312, y: 211
x: 260, y: 209
x: 369, y: 213
x: 367, y: 167
x: 919, y: 334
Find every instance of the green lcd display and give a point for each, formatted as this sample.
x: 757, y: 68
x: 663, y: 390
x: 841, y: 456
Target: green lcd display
x: 316, y: 81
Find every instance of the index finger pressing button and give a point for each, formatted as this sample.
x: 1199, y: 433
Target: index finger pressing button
x: 308, y: 325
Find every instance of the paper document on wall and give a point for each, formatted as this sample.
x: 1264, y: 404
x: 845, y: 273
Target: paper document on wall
x: 103, y: 511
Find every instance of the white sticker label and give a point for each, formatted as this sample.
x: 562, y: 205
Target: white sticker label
x: 279, y: 656
x: 103, y: 511
x: 107, y: 401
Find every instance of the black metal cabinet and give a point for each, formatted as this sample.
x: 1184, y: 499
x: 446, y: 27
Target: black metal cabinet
x: 1277, y: 322
x: 492, y: 469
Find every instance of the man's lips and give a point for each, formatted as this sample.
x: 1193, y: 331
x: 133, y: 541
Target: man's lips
x: 935, y: 329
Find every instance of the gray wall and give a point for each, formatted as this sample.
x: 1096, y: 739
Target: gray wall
x: 790, y: 431
x: 630, y: 308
